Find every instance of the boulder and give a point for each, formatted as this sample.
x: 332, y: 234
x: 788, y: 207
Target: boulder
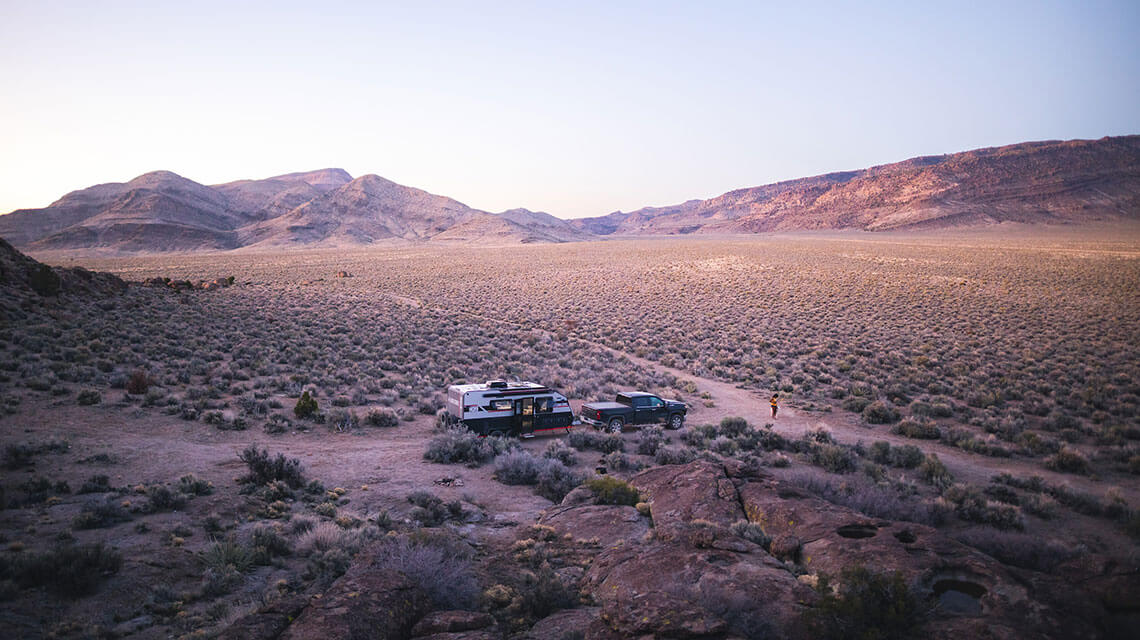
x: 451, y: 621
x: 267, y: 622
x: 670, y: 588
x: 379, y: 604
x: 698, y: 490
x: 608, y: 523
x: 563, y: 624
x: 975, y: 596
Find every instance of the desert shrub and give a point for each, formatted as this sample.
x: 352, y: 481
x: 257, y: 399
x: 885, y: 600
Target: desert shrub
x: 864, y: 604
x: 1035, y: 484
x: 88, y: 397
x: 611, y: 490
x: 98, y: 515
x: 306, y: 406
x: 443, y: 570
x: 906, y: 456
x: 1068, y: 460
x: 192, y: 485
x: 732, y: 426
x: 674, y: 455
x: 382, y: 417
x: 1002, y: 493
x: 917, y: 430
x: 1020, y: 549
x: 552, y: 479
x: 161, y: 497
x: 724, y: 446
x: 652, y: 438
x: 277, y: 424
x: 605, y: 443
x: 621, y: 462
x: 268, y: 543
x: 517, y: 467
x: 879, y: 412
x: 751, y: 532
x: 871, y: 498
x: 818, y: 436
x: 855, y: 404
x: 44, y: 281
x: 555, y: 480
x: 38, y: 489
x: 340, y: 420
x: 880, y: 452
x: 70, y: 570
x: 263, y: 469
x: 99, y: 483
x: 971, y: 505
x: 224, y: 563
x: 138, y: 383
x: 934, y: 472
x: 560, y: 451
x: 430, y: 510
x: 17, y: 456
x: 1077, y: 500
x: 462, y: 446
x: 835, y: 458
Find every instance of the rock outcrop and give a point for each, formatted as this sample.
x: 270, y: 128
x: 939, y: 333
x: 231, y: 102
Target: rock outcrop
x: 693, y: 575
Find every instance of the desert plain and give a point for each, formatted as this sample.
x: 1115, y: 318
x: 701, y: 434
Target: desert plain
x: 979, y: 390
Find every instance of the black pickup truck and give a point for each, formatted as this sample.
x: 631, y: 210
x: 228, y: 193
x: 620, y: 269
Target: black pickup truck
x: 633, y: 407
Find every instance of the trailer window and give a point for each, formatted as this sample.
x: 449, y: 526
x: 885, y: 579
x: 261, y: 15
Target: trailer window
x: 543, y: 405
x: 500, y: 405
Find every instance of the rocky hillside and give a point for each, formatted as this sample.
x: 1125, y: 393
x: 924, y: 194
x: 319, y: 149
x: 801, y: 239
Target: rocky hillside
x: 1039, y: 182
x: 162, y: 211
x: 26, y: 283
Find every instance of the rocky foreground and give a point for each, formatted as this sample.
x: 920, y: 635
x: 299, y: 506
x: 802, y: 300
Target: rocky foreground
x: 676, y: 569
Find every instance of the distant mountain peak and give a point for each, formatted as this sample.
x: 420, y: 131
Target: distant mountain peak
x: 1052, y: 182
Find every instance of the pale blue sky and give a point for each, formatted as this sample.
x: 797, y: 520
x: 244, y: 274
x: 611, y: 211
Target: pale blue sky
x: 575, y: 108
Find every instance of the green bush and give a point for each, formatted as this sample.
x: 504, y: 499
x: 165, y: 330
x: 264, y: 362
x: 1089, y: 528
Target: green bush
x: 865, y: 606
x: 88, y: 397
x: 611, y: 490
x: 306, y: 406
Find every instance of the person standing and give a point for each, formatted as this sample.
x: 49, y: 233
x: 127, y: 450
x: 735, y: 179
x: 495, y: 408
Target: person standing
x: 775, y: 403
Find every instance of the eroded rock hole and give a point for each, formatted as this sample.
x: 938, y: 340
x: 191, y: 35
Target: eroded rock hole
x: 959, y: 596
x: 857, y: 531
x: 906, y: 536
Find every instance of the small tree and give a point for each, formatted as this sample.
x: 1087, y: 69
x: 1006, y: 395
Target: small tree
x: 306, y: 406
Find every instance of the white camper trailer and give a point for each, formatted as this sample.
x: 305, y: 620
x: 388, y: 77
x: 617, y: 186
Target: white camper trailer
x: 499, y: 407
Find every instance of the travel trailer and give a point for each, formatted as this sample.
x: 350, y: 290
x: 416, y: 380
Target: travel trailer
x: 499, y: 408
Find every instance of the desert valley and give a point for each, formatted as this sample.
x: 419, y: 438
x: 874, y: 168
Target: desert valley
x: 222, y: 409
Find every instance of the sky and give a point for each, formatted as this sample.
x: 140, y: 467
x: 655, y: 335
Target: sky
x: 574, y: 108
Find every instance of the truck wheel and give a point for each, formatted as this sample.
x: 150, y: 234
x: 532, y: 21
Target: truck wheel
x: 676, y: 421
x: 615, y: 425
x: 497, y: 433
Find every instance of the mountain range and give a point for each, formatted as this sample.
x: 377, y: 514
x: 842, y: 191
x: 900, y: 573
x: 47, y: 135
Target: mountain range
x: 1055, y: 182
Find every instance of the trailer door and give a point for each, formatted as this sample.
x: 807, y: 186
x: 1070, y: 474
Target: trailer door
x: 524, y: 415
